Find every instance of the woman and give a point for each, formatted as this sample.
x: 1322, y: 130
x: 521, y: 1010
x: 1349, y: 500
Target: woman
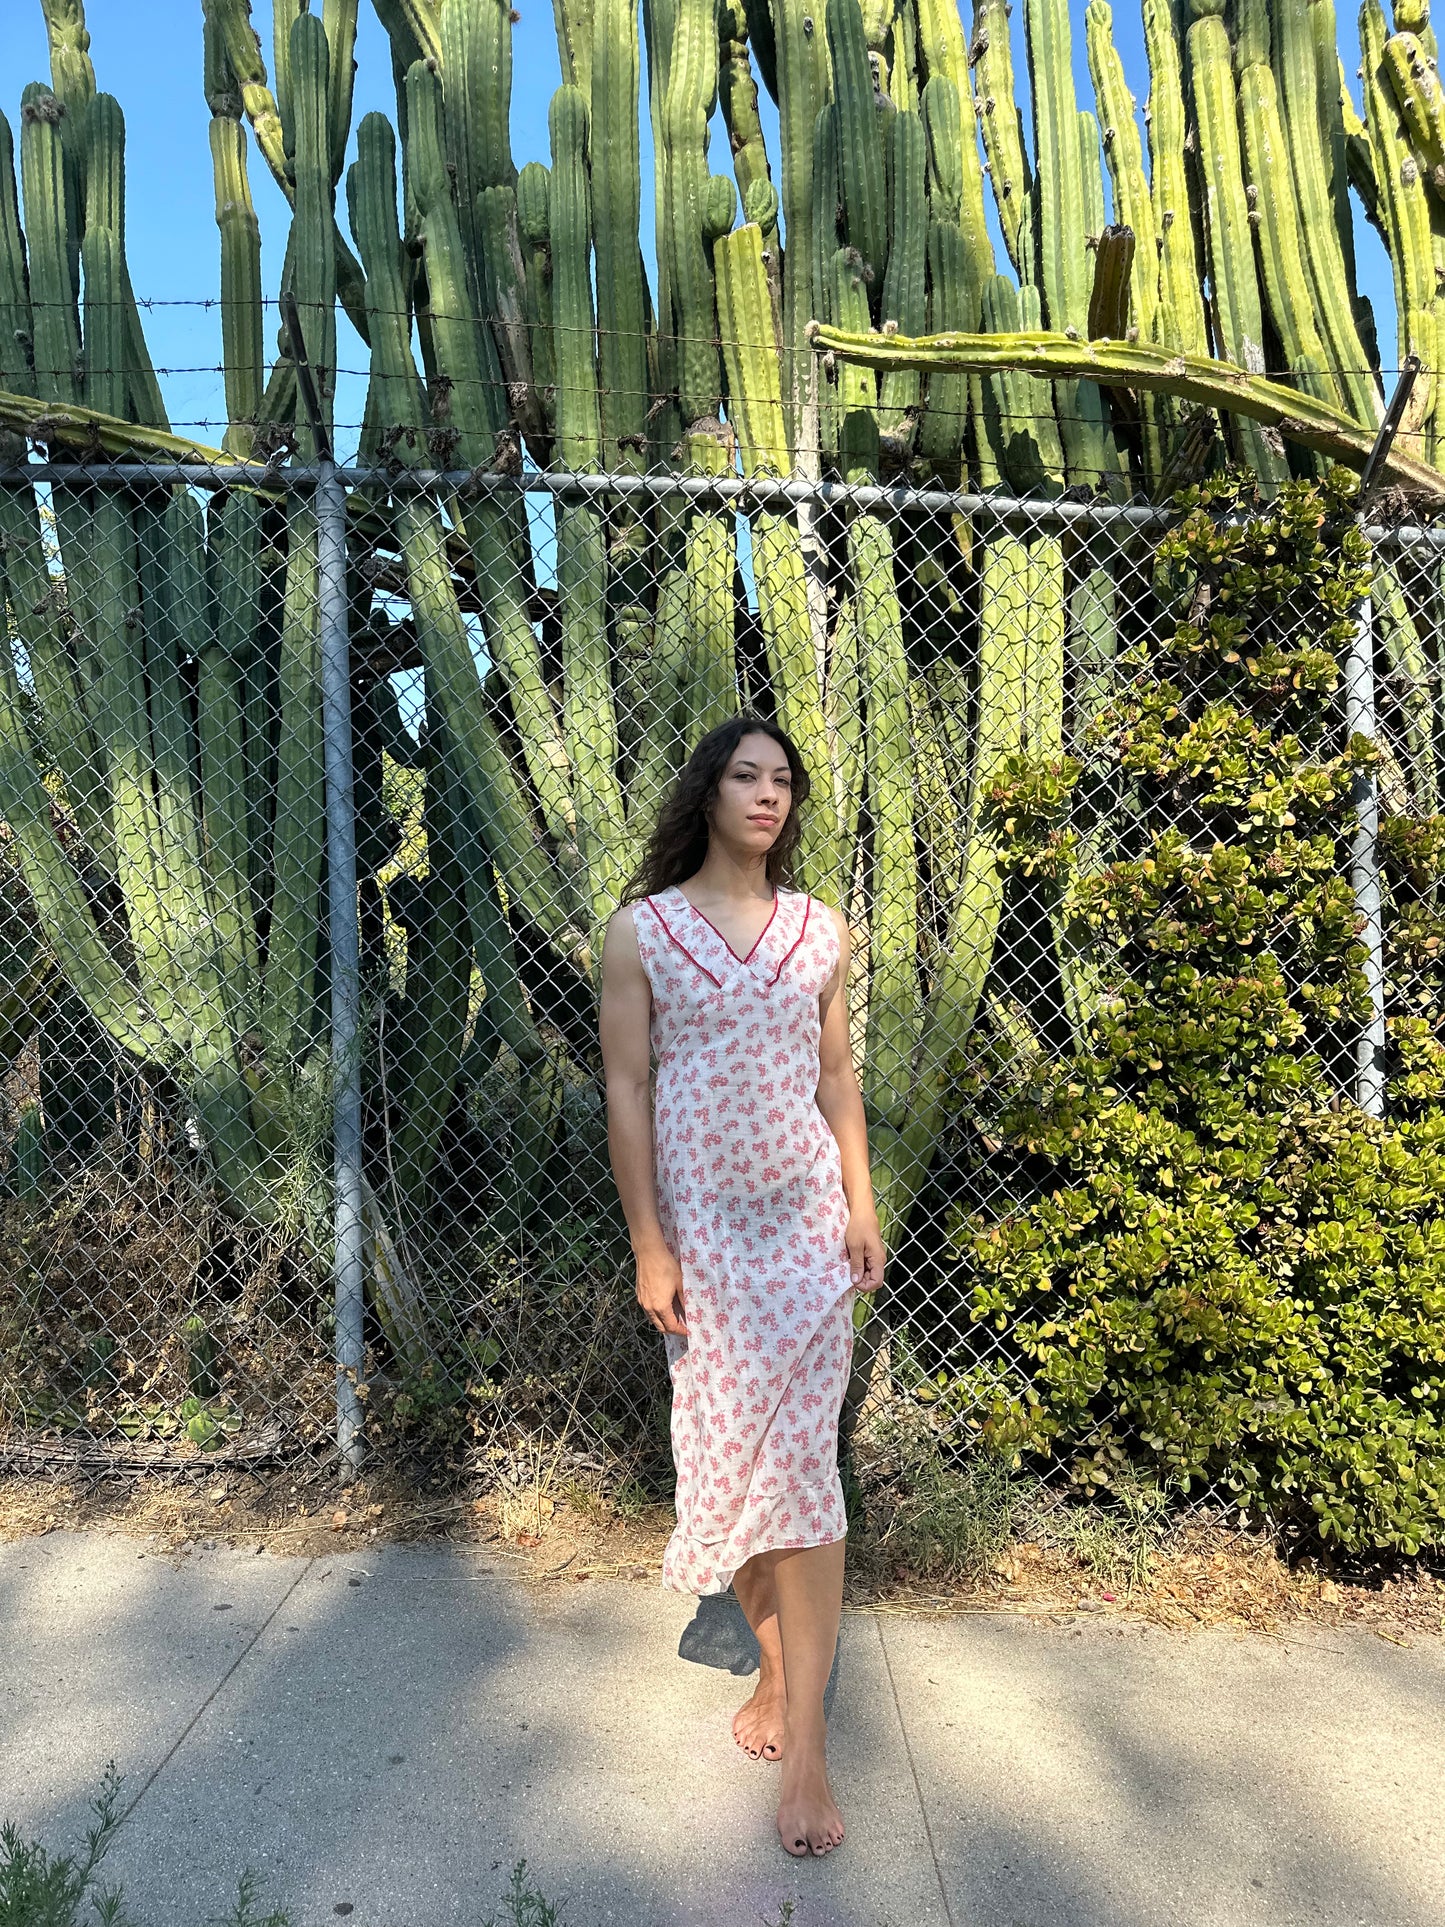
x: 751, y: 1213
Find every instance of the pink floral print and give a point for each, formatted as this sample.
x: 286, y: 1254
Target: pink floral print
x: 750, y: 1194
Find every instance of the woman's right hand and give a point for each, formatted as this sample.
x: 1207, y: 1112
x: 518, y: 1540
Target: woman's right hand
x: 659, y: 1290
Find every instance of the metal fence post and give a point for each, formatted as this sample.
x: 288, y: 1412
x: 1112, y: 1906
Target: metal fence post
x: 1360, y: 721
x: 345, y: 934
x: 343, y: 921
x: 1365, y: 865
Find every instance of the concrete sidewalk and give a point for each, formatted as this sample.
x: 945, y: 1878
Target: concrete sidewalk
x: 384, y: 1735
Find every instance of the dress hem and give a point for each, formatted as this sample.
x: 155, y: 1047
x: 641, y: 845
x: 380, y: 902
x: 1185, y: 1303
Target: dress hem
x: 711, y: 1591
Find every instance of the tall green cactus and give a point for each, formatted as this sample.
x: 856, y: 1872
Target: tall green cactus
x: 1404, y: 205
x: 1238, y: 316
x: 1308, y: 111
x: 1090, y: 454
x: 589, y: 720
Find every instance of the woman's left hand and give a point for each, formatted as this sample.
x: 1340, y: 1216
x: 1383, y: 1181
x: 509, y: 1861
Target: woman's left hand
x: 865, y: 1250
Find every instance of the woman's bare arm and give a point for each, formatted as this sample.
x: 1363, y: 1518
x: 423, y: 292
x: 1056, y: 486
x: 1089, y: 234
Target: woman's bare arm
x: 841, y: 1103
x: 625, y: 1018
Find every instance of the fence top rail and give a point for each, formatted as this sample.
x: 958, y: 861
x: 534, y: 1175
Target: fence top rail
x: 760, y: 492
x: 756, y: 491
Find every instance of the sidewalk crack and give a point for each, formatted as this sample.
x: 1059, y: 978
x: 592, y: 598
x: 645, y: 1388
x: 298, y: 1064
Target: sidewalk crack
x: 913, y: 1769
x: 212, y: 1696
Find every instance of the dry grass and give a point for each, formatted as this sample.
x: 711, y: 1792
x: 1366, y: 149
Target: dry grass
x: 558, y: 1532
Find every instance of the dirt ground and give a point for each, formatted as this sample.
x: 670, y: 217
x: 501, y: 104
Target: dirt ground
x: 1205, y: 1576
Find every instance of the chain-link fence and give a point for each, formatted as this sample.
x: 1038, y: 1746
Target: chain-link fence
x: 317, y: 790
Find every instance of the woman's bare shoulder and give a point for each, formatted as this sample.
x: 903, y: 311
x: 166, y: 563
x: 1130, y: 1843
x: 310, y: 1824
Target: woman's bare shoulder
x: 622, y: 925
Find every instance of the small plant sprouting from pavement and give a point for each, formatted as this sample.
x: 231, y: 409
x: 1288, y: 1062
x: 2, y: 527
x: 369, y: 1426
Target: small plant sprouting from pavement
x: 65, y: 1890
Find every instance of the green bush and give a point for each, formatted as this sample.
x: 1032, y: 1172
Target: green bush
x: 1230, y: 1274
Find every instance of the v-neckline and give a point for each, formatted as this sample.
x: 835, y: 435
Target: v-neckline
x: 777, y: 899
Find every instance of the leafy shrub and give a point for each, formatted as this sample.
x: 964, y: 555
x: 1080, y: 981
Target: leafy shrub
x: 1229, y: 1275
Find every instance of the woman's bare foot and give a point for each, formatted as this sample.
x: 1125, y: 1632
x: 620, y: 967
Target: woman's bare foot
x: 808, y: 1817
x: 758, y: 1724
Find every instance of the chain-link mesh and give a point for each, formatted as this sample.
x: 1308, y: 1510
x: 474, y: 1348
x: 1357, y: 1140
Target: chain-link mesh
x: 997, y: 702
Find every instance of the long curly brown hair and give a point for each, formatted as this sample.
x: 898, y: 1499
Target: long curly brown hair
x: 678, y: 843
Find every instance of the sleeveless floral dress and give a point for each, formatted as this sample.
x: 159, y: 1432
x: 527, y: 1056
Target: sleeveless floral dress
x: 750, y: 1195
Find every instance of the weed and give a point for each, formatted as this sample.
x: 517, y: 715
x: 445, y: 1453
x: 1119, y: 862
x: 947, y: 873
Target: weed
x: 38, y: 1890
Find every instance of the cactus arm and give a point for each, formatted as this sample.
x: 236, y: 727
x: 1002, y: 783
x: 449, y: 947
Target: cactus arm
x: 1359, y: 159
x: 894, y: 1000
x: 802, y: 91
x: 61, y: 902
x: 1025, y: 434
x: 299, y: 817
x: 242, y: 347
x: 476, y: 78
x: 500, y: 811
x: 231, y: 20
x: 534, y: 225
x: 996, y: 105
x: 1063, y: 261
x: 616, y: 210
x: 739, y: 95
x: 53, y: 280
x: 1181, y: 303
x: 1197, y: 378
x: 314, y: 256
x: 474, y: 414
x: 1062, y: 194
x: 1273, y: 215
x: 414, y: 29
x: 464, y: 353
x: 711, y: 693
x: 339, y: 19
x: 476, y: 75
x: 1307, y: 114
x: 432, y: 1022
x: 589, y: 719
x: 1415, y: 81
x: 17, y: 358
x: 1330, y: 92
x: 579, y: 433
x: 824, y: 240
x: 941, y: 46
x: 35, y: 610
x: 225, y: 661
x: 82, y: 427
x: 691, y: 95
x: 575, y: 32
x: 757, y: 411
x: 1238, y: 318
x: 860, y: 143
x: 956, y: 275
x: 71, y: 72
x: 34, y: 606
x: 1404, y: 207
x: 905, y: 297
x: 284, y: 15
x: 1124, y: 153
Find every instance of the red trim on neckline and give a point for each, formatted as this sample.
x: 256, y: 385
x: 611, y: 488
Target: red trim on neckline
x: 777, y: 898
x: 807, y: 907
x: 680, y: 944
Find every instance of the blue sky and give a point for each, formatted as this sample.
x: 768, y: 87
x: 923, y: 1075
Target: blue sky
x: 148, y: 54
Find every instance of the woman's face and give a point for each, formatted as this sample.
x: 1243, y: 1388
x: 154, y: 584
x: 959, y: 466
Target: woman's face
x: 754, y: 795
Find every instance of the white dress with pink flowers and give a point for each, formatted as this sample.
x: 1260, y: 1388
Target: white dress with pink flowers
x: 750, y: 1194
